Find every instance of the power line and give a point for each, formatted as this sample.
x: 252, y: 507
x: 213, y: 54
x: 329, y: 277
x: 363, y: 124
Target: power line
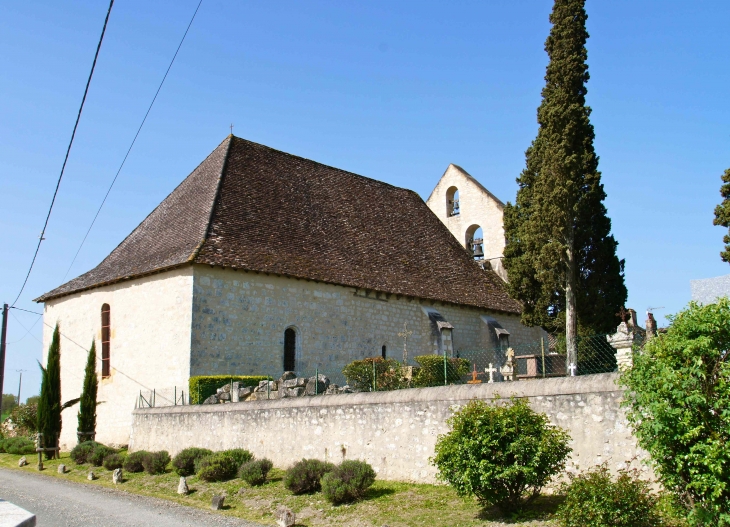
x: 68, y: 151
x: 133, y: 141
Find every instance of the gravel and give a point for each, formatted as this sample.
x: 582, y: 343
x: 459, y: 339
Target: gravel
x: 60, y: 503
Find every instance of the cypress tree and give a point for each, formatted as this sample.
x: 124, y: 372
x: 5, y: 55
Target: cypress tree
x: 722, y: 214
x: 49, y: 404
x: 87, y: 406
x: 560, y: 256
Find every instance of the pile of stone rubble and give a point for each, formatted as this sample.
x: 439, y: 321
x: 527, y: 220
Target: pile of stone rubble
x: 289, y: 385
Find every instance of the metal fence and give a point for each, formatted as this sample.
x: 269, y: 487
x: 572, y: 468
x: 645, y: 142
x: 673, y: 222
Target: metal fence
x: 548, y: 357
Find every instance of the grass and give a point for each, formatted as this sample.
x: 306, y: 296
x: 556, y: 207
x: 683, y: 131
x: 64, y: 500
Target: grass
x: 387, y: 503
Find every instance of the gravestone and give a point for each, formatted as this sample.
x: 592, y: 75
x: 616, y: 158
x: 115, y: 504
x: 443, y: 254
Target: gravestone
x: 22, y: 462
x: 91, y: 476
x: 61, y: 469
x: 117, y: 476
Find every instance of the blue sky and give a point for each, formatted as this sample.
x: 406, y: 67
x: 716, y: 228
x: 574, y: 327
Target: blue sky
x: 392, y: 90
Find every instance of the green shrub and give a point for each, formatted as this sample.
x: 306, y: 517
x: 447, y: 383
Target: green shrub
x: 113, y: 461
x: 218, y: 467
x: 90, y: 452
x: 156, y: 462
x: 254, y: 472
x: 184, y: 461
x: 97, y: 455
x: 502, y: 454
x: 388, y: 374
x: 134, y: 461
x: 239, y: 454
x: 678, y: 395
x: 347, y: 482
x: 595, y: 499
x: 305, y: 476
x: 81, y: 452
x: 203, y: 386
x: 17, y: 446
x: 431, y: 370
x: 24, y: 418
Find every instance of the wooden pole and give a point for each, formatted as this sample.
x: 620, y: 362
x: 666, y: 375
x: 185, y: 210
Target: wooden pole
x: 3, y: 338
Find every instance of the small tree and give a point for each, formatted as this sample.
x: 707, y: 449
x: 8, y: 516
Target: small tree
x: 87, y: 406
x: 49, y: 405
x: 502, y: 454
x: 678, y: 398
x: 722, y: 214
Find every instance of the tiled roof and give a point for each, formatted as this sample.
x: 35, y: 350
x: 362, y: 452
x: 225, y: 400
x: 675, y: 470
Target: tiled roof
x: 250, y: 207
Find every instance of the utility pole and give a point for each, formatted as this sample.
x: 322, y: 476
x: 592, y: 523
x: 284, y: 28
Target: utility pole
x: 20, y: 383
x: 3, y: 337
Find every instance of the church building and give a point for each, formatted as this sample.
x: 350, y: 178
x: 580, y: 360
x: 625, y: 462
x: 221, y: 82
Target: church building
x: 261, y: 262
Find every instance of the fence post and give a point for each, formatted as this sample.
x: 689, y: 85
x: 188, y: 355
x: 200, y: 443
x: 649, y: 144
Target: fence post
x: 542, y: 351
x: 175, y: 403
x: 375, y: 378
x: 154, y: 397
x: 445, y: 377
x: 268, y: 388
x: 316, y: 380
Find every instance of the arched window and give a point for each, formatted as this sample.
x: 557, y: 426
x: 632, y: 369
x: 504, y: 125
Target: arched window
x: 105, y: 338
x: 475, y: 242
x: 290, y: 349
x: 383, y: 351
x: 452, y: 202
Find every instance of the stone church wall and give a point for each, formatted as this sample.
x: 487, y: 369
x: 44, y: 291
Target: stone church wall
x: 239, y: 319
x: 149, y: 346
x: 394, y: 431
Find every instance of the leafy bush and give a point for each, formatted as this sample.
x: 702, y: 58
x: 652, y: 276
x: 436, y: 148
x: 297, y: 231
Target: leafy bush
x: 22, y: 421
x: 431, y: 371
x: 305, y: 476
x: 503, y: 454
x: 388, y: 374
x: 254, y: 472
x: 239, y: 454
x: 203, y: 386
x: 218, y: 467
x: 113, y: 461
x: 134, y: 461
x: 96, y: 457
x: 594, y: 498
x: 81, y: 452
x: 184, y: 461
x: 90, y: 452
x: 347, y: 482
x: 156, y: 462
x: 678, y: 395
x: 17, y: 446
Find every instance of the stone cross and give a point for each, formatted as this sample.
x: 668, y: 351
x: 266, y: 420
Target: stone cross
x: 491, y: 371
x: 405, y: 334
x: 572, y: 369
x: 622, y: 314
x: 231, y: 128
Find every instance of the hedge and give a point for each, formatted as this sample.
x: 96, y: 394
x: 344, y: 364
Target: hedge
x: 203, y: 386
x: 431, y: 371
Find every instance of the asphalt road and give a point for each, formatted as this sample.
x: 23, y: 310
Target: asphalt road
x: 59, y: 503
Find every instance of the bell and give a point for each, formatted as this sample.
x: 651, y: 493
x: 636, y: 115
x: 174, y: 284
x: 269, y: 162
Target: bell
x: 477, y: 251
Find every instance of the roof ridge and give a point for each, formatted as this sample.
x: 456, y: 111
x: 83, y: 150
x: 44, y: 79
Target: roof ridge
x: 383, y: 183
x: 213, y: 203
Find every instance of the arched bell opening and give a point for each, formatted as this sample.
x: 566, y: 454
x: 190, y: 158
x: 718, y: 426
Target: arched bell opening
x: 452, y: 202
x: 474, y: 239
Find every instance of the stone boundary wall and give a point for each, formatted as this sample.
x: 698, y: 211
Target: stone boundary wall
x: 393, y: 431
